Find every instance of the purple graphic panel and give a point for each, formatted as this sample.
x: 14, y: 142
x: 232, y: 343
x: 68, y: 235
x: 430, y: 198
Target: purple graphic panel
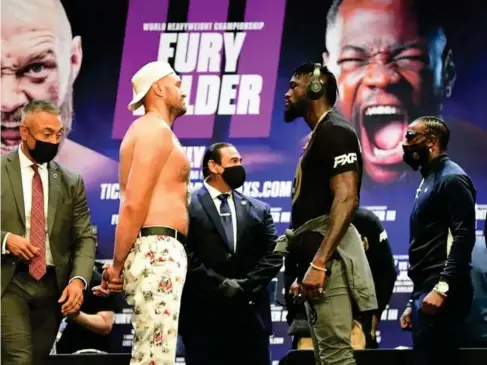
x: 200, y: 67
x: 262, y: 61
x: 145, y: 19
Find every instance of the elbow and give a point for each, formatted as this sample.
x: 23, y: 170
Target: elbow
x: 106, y: 330
x: 350, y: 200
x: 133, y: 211
x: 107, y: 327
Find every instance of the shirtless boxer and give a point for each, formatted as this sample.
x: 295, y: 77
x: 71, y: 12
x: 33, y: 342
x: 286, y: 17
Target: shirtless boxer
x: 153, y: 217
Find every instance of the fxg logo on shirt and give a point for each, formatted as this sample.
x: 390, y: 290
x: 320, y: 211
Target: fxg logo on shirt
x: 345, y: 159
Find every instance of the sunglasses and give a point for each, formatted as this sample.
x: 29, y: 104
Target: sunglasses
x: 411, y: 135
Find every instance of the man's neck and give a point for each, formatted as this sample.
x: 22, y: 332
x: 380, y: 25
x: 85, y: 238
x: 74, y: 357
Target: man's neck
x: 315, y: 112
x: 433, y: 157
x: 163, y: 111
x: 219, y: 185
x: 26, y: 152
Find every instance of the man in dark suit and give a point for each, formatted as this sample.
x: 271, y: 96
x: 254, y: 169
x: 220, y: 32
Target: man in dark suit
x: 225, y: 314
x: 48, y: 248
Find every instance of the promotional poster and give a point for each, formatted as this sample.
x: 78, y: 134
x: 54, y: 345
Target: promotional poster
x: 235, y: 59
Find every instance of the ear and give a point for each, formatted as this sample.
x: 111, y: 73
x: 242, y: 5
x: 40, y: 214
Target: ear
x: 76, y: 56
x: 432, y: 141
x: 212, y: 166
x: 449, y: 74
x: 326, y: 57
x: 23, y: 132
x: 158, y: 89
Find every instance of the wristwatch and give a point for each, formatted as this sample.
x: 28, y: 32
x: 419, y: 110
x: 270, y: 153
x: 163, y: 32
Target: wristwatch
x: 442, y: 288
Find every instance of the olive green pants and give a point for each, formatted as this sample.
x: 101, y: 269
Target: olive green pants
x: 330, y: 319
x: 30, y: 318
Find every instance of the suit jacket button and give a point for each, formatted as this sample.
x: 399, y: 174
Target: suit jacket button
x: 251, y: 302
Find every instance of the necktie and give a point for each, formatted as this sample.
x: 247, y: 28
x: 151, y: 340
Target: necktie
x: 37, y: 266
x: 226, y: 217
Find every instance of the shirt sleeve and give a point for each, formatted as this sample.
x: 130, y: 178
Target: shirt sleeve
x: 340, y: 148
x: 459, y: 194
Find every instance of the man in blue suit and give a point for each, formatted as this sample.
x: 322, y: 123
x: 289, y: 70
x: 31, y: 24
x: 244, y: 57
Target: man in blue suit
x: 225, y: 310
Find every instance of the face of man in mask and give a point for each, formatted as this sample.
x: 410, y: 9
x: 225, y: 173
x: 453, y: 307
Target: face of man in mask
x: 40, y: 61
x: 389, y: 72
x: 295, y: 98
x: 417, y: 145
x: 41, y: 134
x: 230, y: 168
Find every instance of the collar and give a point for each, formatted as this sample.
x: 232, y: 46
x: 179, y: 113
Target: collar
x: 322, y: 118
x: 26, y: 163
x: 214, y: 193
x: 434, y: 165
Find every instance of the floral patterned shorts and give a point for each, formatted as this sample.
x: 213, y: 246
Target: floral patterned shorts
x: 154, y: 275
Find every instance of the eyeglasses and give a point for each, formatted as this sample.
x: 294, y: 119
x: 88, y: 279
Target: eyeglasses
x: 411, y: 135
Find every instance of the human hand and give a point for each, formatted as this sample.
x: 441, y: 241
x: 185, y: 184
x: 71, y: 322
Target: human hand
x: 112, y: 279
x: 230, y: 288
x: 406, y: 319
x: 99, y: 291
x: 313, y: 282
x: 432, y: 302
x: 21, y: 247
x: 72, y: 297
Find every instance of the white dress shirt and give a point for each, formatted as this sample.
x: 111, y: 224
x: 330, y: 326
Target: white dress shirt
x: 27, y: 173
x: 214, y: 193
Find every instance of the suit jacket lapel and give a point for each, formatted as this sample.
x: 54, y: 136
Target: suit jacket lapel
x: 54, y: 191
x: 15, y: 177
x: 241, y: 210
x: 210, y: 209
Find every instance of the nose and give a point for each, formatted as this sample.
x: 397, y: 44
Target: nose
x: 12, y: 97
x: 287, y: 95
x: 379, y: 75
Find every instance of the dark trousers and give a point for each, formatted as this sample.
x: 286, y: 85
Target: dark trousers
x: 30, y: 318
x: 236, y: 346
x: 437, y: 338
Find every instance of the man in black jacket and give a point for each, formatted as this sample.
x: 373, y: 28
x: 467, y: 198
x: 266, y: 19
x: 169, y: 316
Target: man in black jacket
x: 225, y: 311
x: 442, y: 227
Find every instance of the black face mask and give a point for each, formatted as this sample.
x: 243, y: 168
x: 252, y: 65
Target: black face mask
x: 43, y: 151
x: 234, y: 176
x: 415, y: 155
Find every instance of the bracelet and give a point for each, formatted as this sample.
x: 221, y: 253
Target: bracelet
x: 317, y: 267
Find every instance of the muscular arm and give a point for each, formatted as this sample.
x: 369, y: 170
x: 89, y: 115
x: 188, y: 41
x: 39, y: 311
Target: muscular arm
x: 341, y: 155
x: 345, y: 190
x: 151, y: 151
x: 100, y: 323
x: 460, y: 197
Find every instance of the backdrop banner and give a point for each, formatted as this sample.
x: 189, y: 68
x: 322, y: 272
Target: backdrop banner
x: 393, y: 63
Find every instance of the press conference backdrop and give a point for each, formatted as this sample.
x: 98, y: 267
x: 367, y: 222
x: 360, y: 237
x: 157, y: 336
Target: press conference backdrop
x: 235, y: 58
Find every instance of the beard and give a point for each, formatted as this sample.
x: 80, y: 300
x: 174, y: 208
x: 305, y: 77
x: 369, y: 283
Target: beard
x: 294, y: 110
x: 11, y: 123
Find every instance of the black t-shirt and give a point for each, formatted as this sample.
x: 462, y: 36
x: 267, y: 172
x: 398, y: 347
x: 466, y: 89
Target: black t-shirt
x: 333, y: 149
x: 75, y: 337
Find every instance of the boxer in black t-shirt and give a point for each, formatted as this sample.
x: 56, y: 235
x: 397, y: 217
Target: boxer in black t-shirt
x: 327, y: 182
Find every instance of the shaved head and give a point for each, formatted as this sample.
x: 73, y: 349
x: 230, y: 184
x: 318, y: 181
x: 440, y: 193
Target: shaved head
x: 40, y: 61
